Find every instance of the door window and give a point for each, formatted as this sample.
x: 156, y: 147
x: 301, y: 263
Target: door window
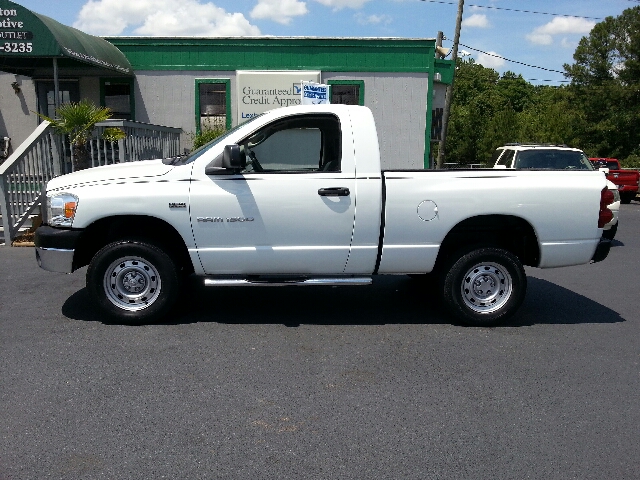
x: 506, y: 158
x: 295, y: 144
x: 68, y: 92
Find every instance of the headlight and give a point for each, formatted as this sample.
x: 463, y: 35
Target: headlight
x: 61, y: 208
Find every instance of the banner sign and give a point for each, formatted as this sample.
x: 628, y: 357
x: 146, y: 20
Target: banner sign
x: 315, y: 93
x: 16, y: 31
x: 24, y: 33
x: 259, y: 91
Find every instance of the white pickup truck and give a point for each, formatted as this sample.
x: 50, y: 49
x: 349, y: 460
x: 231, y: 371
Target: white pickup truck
x: 297, y: 196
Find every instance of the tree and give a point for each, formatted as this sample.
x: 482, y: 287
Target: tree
x: 517, y: 92
x: 606, y: 85
x: 550, y: 117
x: 78, y: 120
x: 474, y: 102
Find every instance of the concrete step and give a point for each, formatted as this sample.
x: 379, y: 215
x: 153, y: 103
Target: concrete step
x: 23, y: 229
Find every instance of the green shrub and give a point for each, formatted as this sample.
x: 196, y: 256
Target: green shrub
x: 632, y: 161
x: 205, y: 136
x: 113, y: 134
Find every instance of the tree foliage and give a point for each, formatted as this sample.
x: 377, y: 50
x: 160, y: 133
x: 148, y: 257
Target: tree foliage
x: 606, y: 85
x: 599, y: 111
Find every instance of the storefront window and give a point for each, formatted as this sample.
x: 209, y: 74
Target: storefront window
x: 212, y: 105
x: 347, y: 92
x: 117, y: 96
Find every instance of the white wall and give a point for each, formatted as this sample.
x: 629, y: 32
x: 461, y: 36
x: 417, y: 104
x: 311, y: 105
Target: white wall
x: 17, y: 120
x: 168, y: 98
x: 398, y: 102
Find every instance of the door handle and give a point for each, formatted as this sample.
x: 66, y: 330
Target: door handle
x: 334, y: 192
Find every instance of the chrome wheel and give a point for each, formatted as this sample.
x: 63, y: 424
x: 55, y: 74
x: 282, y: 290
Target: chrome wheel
x: 132, y: 283
x: 486, y: 287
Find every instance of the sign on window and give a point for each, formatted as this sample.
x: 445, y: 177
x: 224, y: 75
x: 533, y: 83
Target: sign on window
x: 315, y: 93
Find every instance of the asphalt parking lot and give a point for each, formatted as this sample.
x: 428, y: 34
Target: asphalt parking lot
x: 316, y: 383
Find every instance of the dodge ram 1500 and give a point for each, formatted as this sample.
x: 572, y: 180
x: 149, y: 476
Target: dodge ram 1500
x: 297, y: 196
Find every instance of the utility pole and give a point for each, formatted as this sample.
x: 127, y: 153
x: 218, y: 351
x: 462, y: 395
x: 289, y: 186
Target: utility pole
x: 439, y: 39
x: 449, y: 94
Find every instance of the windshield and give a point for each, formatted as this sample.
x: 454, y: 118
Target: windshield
x: 605, y: 164
x: 550, y: 159
x: 204, y: 148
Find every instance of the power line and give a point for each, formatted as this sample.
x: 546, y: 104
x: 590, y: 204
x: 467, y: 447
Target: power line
x: 515, y: 10
x: 540, y: 80
x: 513, y: 61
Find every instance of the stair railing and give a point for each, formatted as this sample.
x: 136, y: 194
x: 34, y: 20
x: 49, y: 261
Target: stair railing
x: 24, y: 175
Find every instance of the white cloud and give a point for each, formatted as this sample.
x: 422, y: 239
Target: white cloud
x: 372, y: 19
x: 543, y: 35
x: 476, y: 20
x: 161, y: 18
x: 489, y: 61
x: 540, y: 38
x: 281, y: 11
x: 340, y: 4
x: 569, y: 44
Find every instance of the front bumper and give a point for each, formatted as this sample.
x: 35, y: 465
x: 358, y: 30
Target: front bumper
x: 602, y: 250
x: 55, y: 248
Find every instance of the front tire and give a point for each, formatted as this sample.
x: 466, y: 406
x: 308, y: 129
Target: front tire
x: 484, y: 286
x: 133, y: 281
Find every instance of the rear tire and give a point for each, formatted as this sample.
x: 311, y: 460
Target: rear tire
x: 132, y: 281
x: 611, y: 233
x: 484, y: 286
x: 626, y: 197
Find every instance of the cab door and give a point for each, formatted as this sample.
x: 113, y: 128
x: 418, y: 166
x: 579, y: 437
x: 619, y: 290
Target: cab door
x: 291, y: 210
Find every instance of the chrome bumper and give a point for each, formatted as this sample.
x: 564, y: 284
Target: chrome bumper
x: 55, y: 259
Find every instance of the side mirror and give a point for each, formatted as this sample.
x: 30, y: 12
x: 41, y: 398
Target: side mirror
x: 233, y: 158
x: 604, y: 169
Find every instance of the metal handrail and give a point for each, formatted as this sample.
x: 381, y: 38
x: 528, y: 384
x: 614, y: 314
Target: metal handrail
x: 25, y: 173
x: 143, y: 141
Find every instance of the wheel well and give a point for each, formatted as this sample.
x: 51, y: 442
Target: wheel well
x: 139, y: 227
x: 504, y: 231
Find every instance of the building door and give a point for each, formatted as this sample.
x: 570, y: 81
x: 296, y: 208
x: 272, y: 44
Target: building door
x: 69, y: 91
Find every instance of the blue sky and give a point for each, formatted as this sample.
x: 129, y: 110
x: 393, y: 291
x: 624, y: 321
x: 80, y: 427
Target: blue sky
x: 491, y: 26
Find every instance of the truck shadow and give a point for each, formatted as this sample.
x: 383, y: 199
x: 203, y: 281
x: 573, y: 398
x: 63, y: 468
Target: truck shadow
x: 390, y: 300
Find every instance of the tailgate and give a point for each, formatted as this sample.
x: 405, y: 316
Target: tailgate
x: 624, y: 177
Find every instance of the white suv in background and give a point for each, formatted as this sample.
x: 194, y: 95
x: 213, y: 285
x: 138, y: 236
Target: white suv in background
x: 554, y: 157
x: 540, y: 156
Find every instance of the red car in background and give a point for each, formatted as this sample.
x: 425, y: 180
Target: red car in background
x: 626, y: 180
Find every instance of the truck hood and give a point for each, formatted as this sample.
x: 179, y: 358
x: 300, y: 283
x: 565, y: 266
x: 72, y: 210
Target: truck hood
x: 131, y: 171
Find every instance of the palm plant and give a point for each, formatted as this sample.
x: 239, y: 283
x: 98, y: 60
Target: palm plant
x: 78, y: 120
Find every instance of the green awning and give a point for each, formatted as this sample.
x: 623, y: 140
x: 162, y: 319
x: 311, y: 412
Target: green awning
x: 28, y: 42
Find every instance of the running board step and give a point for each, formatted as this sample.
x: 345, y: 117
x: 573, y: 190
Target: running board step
x: 243, y: 282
